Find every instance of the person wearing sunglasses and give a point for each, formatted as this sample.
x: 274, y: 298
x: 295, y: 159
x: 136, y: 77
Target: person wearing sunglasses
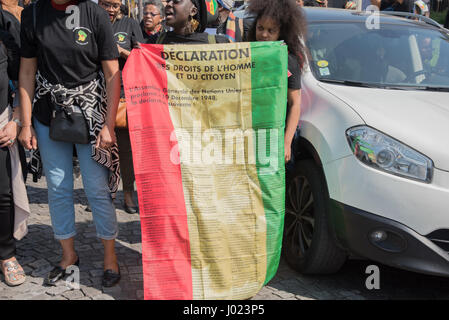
x: 153, y: 20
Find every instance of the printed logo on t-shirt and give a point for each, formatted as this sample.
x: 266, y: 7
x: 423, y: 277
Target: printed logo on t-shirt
x: 120, y: 37
x: 82, y: 35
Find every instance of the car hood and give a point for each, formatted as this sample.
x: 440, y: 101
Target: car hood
x: 419, y: 119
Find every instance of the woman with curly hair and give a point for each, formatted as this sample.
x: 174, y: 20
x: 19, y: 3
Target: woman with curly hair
x: 284, y: 20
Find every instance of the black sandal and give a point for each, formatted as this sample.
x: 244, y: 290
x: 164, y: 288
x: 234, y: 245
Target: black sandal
x: 57, y: 274
x: 111, y: 278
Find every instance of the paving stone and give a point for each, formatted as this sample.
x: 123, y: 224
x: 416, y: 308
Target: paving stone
x: 135, y: 277
x: 97, y: 246
x: 96, y: 280
x: 37, y: 281
x: 73, y: 294
x: 91, y: 292
x: 39, y: 264
x: 299, y: 297
x: 84, y: 247
x: 285, y: 295
x: 56, y: 291
x: 140, y: 294
x: 130, y: 262
x: 90, y: 234
x: 123, y: 270
x: 42, y: 296
x: 96, y: 273
x: 42, y: 272
x: 135, y: 269
x: 103, y: 297
x: 27, y: 270
x: 84, y: 298
x: 112, y: 290
x: 26, y: 260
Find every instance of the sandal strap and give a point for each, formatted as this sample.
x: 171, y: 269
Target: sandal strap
x: 13, y: 267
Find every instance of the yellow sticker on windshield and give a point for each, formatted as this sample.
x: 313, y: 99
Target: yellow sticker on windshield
x: 322, y: 63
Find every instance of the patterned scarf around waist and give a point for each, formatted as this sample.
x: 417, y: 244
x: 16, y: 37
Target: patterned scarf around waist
x: 91, y: 97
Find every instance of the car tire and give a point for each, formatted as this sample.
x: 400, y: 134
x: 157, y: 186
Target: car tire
x: 308, y: 245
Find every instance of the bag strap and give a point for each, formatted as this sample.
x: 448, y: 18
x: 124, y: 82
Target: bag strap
x: 211, y: 39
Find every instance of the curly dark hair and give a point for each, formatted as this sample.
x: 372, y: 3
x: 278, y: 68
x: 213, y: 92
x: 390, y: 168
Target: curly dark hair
x: 289, y: 15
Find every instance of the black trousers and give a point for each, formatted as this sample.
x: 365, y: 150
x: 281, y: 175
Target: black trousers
x: 126, y: 159
x: 7, y: 241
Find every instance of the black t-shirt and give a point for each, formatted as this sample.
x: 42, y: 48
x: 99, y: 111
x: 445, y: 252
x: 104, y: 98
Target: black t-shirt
x: 9, y: 66
x: 127, y: 34
x: 194, y: 38
x: 4, y: 78
x: 9, y: 22
x: 294, y: 79
x: 70, y: 57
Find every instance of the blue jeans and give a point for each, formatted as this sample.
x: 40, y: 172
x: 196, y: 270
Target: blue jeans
x: 57, y: 160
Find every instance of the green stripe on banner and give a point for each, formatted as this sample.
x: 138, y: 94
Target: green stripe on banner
x: 269, y: 104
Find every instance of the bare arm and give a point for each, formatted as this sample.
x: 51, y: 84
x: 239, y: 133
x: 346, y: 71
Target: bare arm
x: 123, y: 52
x: 294, y: 102
x: 376, y: 3
x: 27, y: 74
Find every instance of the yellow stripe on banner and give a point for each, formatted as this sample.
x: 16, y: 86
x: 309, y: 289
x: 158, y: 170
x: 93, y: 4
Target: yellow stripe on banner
x: 210, y: 106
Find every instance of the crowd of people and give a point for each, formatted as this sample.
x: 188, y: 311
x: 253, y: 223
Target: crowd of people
x: 50, y: 73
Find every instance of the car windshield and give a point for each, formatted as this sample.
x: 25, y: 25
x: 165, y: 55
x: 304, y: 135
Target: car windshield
x: 394, y: 56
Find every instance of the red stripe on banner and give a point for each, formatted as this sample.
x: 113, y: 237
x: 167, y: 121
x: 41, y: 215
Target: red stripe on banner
x: 165, y: 236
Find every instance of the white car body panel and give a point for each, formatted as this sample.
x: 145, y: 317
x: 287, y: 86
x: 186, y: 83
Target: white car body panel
x: 418, y: 119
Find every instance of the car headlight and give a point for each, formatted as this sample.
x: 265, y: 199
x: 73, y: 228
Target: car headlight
x: 382, y: 152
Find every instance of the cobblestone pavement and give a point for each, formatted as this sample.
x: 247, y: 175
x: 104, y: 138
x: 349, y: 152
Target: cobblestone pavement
x: 38, y: 251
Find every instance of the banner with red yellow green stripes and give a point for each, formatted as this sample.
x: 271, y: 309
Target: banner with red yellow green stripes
x: 207, y: 125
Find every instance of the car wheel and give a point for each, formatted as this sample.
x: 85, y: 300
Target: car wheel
x: 308, y: 246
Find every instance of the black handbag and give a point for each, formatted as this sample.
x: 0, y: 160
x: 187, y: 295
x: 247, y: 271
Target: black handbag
x: 68, y: 124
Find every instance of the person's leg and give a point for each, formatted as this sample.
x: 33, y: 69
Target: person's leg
x: 58, y: 167
x: 95, y: 182
x: 13, y: 272
x: 126, y: 166
x: 7, y: 242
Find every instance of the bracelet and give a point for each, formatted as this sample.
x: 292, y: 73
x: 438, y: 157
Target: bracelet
x: 18, y: 122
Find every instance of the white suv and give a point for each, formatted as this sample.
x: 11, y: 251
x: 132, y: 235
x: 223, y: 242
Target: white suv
x: 370, y: 176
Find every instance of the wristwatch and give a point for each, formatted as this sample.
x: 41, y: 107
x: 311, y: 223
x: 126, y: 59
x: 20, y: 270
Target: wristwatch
x: 19, y: 123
